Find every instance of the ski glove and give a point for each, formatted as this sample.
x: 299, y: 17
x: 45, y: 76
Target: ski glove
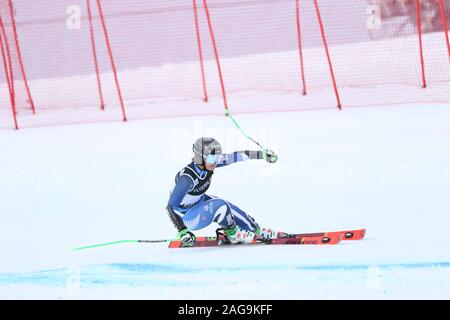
x: 186, y: 237
x: 269, y: 156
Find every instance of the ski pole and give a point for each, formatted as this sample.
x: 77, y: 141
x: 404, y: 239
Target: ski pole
x: 274, y: 157
x: 242, y: 131
x: 104, y: 244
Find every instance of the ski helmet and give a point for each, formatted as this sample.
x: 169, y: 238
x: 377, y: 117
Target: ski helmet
x: 206, y: 149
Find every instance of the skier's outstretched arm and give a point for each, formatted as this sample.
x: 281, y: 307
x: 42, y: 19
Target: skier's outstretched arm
x: 237, y: 156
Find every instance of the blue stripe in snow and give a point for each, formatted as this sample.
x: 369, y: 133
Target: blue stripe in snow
x: 129, y: 274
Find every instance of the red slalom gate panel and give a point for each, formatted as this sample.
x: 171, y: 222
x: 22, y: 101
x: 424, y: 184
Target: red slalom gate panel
x: 102, y: 60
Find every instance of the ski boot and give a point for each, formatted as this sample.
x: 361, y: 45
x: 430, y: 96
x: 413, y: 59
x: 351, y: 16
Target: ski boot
x: 268, y: 234
x: 235, y: 235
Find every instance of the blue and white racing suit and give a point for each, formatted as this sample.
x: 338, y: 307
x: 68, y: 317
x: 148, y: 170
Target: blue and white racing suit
x: 190, y: 207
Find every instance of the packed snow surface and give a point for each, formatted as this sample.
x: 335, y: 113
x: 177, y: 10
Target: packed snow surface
x: 386, y: 169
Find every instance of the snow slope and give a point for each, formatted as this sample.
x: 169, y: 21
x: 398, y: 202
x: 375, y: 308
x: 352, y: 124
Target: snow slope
x: 386, y: 169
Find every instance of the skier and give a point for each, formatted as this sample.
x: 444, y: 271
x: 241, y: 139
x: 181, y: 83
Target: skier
x: 190, y: 208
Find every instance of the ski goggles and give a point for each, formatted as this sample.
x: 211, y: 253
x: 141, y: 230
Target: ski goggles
x: 212, y: 159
